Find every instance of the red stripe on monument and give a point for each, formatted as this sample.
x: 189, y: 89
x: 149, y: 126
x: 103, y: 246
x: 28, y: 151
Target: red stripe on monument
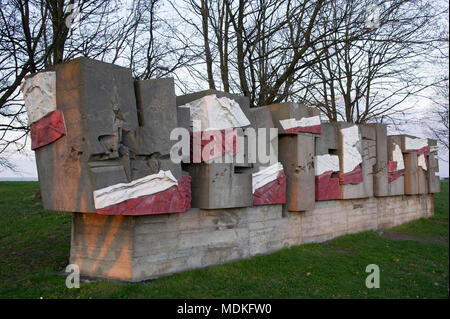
x: 271, y: 193
x: 176, y: 199
x: 392, y: 166
x: 424, y: 150
x: 327, y: 188
x: 47, y: 130
x: 353, y: 177
x: 315, y: 129
x: 218, y: 140
x: 392, y: 176
x: 393, y: 172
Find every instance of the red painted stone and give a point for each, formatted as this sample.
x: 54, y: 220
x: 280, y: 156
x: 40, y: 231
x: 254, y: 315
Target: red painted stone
x: 327, y: 188
x: 353, y: 177
x: 392, y: 176
x: 315, y: 129
x: 424, y: 150
x: 271, y: 193
x: 47, y: 130
x: 392, y: 166
x: 393, y: 173
x: 216, y: 143
x: 176, y: 199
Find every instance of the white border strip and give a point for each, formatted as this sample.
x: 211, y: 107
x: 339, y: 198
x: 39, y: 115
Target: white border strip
x: 303, y: 122
x: 265, y: 175
x: 415, y: 143
x: 325, y: 163
x: 351, y: 148
x: 216, y: 113
x: 121, y: 192
x: 39, y: 95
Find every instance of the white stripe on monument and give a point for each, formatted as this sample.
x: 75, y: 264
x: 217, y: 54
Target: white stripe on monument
x: 303, y: 122
x: 147, y: 185
x: 265, y: 176
x: 216, y: 113
x: 325, y: 163
x: 39, y: 95
x: 351, y: 148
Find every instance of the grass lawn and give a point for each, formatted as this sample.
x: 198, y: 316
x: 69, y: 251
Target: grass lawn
x: 34, y: 245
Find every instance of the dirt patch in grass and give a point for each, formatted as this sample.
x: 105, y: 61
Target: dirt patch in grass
x: 401, y: 236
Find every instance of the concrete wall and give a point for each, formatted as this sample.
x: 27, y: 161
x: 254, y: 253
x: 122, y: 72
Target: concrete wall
x: 144, y: 247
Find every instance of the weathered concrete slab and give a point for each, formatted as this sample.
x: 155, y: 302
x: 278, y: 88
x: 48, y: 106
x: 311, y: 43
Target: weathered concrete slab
x: 397, y: 186
x: 98, y: 103
x: 422, y: 181
x: 157, y: 110
x: 202, y: 238
x: 243, y: 101
x: 346, y: 159
x: 327, y: 142
x: 411, y: 173
x: 369, y: 156
x: 290, y: 110
x: 219, y: 186
x: 106, y: 142
x: 296, y: 153
x: 381, y: 187
x: 263, y: 121
x: 434, y: 183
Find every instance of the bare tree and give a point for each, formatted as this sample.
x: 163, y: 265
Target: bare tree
x: 260, y: 49
x: 36, y: 34
x: 6, y: 164
x: 374, y: 68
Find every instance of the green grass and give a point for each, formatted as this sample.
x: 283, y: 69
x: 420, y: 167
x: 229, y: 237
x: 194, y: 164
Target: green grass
x: 34, y: 245
x: 434, y: 227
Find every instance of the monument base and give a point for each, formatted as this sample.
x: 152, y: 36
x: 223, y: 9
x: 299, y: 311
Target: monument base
x: 136, y: 248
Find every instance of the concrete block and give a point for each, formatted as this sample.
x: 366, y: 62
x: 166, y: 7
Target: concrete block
x: 411, y: 173
x: 157, y: 110
x: 98, y: 103
x: 117, y: 247
x: 217, y: 185
x: 263, y: 120
x: 102, y: 246
x: 409, y: 143
x: 422, y: 181
x: 396, y: 187
x: 352, y: 152
x: 296, y: 153
x: 243, y: 101
x: 184, y: 118
x: 327, y: 142
x: 434, y: 183
x: 244, y: 105
x: 106, y: 173
x: 381, y: 187
x: 369, y: 156
x: 290, y: 110
x: 106, y: 141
